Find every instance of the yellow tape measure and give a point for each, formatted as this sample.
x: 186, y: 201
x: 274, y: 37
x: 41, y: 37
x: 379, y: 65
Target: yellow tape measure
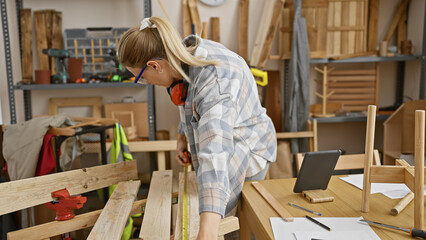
x: 185, y: 207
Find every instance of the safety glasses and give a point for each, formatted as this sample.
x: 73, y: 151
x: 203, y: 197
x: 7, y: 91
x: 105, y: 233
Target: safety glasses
x: 140, y: 80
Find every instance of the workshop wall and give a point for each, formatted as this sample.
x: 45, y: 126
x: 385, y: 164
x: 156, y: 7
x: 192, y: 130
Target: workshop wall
x: 96, y: 13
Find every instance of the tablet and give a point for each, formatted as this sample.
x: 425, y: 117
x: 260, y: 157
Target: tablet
x: 316, y: 170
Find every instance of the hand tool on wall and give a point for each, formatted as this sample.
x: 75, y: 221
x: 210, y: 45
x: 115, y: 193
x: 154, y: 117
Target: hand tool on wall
x: 59, y: 55
x: 414, y: 232
x: 263, y: 76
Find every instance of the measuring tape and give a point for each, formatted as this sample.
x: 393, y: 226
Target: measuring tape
x: 185, y: 200
x: 185, y: 207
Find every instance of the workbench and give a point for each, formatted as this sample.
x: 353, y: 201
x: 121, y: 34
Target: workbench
x: 254, y: 211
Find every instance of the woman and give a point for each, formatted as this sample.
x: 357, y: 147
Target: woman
x: 230, y: 136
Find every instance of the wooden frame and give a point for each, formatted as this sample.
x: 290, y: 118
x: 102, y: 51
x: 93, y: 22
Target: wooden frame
x: 412, y: 177
x: 94, y: 102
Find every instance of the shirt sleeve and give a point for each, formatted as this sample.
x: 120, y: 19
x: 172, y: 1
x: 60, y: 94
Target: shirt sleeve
x: 213, y: 128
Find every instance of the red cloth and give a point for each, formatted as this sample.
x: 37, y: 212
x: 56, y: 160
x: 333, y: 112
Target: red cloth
x: 46, y: 160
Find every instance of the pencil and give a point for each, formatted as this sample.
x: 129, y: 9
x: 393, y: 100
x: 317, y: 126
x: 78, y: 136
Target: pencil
x: 316, y: 222
x: 294, y: 205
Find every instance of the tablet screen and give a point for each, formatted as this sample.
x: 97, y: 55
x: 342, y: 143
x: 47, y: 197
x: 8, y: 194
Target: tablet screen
x: 316, y: 170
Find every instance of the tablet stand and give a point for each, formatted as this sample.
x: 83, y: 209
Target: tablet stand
x: 317, y: 196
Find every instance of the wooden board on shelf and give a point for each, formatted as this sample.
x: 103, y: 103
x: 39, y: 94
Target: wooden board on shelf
x: 140, y: 112
x: 26, y: 45
x: 335, y: 27
x: 243, y: 11
x: 57, y: 39
x: 41, y: 37
x: 355, y: 89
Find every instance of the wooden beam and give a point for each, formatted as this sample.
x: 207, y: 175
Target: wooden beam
x: 399, y: 12
x: 373, y: 22
x: 186, y: 19
x: 26, y: 45
x: 195, y: 17
x: 157, y: 216
x: 215, y: 28
x: 284, y: 214
x: 287, y: 135
x: 41, y: 40
x: 401, y: 34
x: 243, y: 13
x: 368, y: 169
x: 34, y: 191
x: 113, y: 219
x: 57, y: 40
x: 419, y: 157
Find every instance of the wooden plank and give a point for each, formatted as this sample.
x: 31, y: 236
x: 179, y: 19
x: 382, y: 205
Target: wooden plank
x: 401, y: 7
x: 57, y: 38
x: 157, y: 217
x: 193, y: 206
x: 139, y: 146
x: 345, y: 23
x: 284, y: 35
x: 352, y: 78
x: 195, y: 17
x: 308, y: 3
x: 301, y: 134
x: 346, y: 28
x: 352, y: 84
x: 215, y: 28
x: 353, y: 72
x: 321, y: 24
x: 273, y: 99
x: 41, y: 40
x: 373, y: 22
x: 26, y: 45
x: 352, y: 55
x: 270, y: 34
x: 309, y: 15
x: 330, y: 34
x: 353, y: 90
x: 113, y: 219
x: 337, y: 22
x: 34, y: 191
x: 186, y: 19
x: 354, y: 102
x: 352, y: 23
x: 419, y: 157
x: 359, y: 35
x: 336, y: 96
x: 402, y: 30
x: 368, y: 159
x: 204, y: 31
x: 284, y: 214
x: 227, y: 225
x: 243, y: 14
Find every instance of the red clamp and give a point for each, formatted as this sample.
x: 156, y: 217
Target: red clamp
x: 65, y: 204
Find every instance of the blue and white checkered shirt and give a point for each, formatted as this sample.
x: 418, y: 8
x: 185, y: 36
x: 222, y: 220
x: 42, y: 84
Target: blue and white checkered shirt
x: 229, y: 133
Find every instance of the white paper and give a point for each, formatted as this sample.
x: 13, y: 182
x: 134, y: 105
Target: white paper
x: 341, y: 228
x: 333, y: 235
x: 390, y: 190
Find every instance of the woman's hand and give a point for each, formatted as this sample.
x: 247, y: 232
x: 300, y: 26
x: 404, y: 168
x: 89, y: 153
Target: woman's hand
x: 209, y: 226
x: 182, y: 144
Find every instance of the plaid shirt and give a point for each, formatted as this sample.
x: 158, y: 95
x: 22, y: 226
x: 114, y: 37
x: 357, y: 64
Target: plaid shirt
x: 229, y: 133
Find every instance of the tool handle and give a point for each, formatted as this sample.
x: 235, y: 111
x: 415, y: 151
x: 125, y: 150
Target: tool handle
x: 414, y: 232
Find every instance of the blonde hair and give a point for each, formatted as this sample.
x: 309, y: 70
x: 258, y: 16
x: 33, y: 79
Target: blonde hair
x: 137, y: 47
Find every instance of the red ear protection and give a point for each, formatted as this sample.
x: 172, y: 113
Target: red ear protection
x: 178, y: 92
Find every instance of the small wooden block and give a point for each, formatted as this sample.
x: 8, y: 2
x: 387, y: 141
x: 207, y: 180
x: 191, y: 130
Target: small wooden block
x: 317, y: 196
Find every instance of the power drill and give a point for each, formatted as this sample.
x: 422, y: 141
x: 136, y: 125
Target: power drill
x: 59, y: 55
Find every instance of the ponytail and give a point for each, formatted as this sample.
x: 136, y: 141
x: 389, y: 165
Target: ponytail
x: 137, y: 47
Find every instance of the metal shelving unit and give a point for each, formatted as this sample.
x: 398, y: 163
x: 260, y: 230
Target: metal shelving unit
x: 27, y: 88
